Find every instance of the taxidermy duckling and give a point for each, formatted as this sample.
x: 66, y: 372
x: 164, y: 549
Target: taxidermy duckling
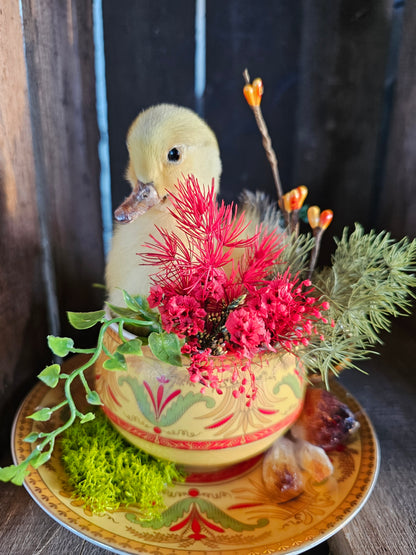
x: 165, y: 143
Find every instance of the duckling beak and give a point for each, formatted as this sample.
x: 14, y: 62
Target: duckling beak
x: 143, y: 197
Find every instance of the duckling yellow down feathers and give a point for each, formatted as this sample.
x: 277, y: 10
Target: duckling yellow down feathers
x: 165, y: 143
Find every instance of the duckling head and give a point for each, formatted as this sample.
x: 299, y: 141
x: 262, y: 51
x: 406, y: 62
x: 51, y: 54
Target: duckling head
x: 166, y: 143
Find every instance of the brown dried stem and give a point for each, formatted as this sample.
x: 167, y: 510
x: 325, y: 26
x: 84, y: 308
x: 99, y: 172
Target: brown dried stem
x: 317, y: 233
x: 267, y: 143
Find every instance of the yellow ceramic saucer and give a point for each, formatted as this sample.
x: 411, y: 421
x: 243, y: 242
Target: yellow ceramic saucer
x: 217, y: 513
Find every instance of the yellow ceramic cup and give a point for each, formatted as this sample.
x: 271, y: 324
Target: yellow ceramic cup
x: 156, y: 407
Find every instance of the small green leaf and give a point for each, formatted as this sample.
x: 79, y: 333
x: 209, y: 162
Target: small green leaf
x: 41, y: 459
x: 32, y: 437
x: 115, y: 363
x: 85, y: 320
x: 20, y: 475
x: 60, y: 346
x: 133, y: 347
x: 87, y: 417
x: 41, y: 415
x: 93, y: 398
x: 50, y: 375
x: 143, y: 303
x: 14, y: 473
x: 166, y: 347
x: 122, y: 311
x: 130, y: 302
x: 7, y: 473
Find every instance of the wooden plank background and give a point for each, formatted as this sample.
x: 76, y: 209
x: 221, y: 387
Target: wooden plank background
x: 327, y: 73
x: 340, y: 90
x: 22, y: 299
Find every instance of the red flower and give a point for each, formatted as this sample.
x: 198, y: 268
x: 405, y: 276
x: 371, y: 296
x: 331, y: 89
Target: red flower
x: 156, y: 296
x: 247, y: 330
x: 214, y: 287
x: 182, y: 315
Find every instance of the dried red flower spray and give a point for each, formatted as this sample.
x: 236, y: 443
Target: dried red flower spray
x: 216, y: 287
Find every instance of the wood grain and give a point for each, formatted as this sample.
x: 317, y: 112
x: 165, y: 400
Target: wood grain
x: 22, y: 297
x: 149, y: 49
x: 386, y: 523
x: 399, y: 199
x: 60, y: 61
x: 323, y: 65
x: 341, y: 90
x: 263, y: 37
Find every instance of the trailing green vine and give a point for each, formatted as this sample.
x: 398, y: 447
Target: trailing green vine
x: 164, y: 345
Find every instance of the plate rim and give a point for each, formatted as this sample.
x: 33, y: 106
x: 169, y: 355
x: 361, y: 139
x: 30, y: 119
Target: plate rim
x: 318, y: 539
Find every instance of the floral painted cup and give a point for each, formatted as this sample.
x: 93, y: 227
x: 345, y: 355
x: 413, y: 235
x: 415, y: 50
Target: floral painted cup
x: 156, y: 407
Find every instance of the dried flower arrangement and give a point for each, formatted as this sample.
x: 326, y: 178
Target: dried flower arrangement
x: 223, y: 291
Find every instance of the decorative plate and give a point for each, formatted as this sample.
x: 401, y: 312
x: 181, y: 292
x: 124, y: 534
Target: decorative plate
x: 228, y: 511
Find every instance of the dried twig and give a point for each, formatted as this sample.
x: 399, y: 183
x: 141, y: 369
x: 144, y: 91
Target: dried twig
x: 267, y: 143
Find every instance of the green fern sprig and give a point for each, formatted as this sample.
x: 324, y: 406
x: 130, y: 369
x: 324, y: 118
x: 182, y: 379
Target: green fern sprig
x: 295, y: 256
x: 370, y: 282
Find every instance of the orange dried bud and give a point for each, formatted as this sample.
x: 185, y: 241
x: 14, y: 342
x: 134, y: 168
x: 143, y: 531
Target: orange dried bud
x: 294, y: 197
x: 297, y: 197
x: 314, y: 213
x: 303, y: 194
x: 254, y: 92
x: 325, y: 218
x: 287, y: 202
x: 249, y: 95
x: 258, y: 89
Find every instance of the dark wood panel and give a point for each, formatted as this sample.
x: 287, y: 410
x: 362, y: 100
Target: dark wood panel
x: 60, y: 60
x: 387, y: 393
x: 399, y: 199
x: 149, y: 50
x: 22, y: 300
x: 341, y: 92
x: 28, y: 530
x: 264, y: 37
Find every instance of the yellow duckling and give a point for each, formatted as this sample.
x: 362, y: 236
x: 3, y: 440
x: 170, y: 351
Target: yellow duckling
x: 165, y: 143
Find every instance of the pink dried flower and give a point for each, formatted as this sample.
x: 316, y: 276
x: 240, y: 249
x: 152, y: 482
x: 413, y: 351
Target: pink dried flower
x: 182, y: 315
x: 247, y: 330
x: 215, y: 288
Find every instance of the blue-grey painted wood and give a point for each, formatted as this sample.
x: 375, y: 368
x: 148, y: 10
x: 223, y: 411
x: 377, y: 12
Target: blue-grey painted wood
x: 150, y: 56
x: 341, y: 93
x: 263, y: 37
x: 398, y: 209
x: 60, y: 69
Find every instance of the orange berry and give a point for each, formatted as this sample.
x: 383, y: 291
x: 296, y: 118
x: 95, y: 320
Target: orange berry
x: 249, y: 95
x: 314, y: 213
x: 325, y: 218
x: 287, y: 204
x: 254, y: 92
x: 297, y: 197
x: 258, y: 89
x: 303, y: 194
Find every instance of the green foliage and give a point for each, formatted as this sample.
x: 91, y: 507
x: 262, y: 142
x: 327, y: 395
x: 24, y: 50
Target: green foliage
x: 166, y: 347
x: 85, y: 320
x: 138, y: 308
x: 105, y: 471
x: 295, y: 256
x: 93, y: 398
x: 370, y: 281
x: 116, y: 363
x: 60, y: 346
x: 133, y: 347
x: 137, y: 314
x: 42, y: 415
x: 50, y: 375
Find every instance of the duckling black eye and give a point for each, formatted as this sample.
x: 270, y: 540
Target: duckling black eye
x: 174, y: 155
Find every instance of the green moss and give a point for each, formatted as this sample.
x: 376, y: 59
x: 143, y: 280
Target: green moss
x: 105, y: 471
